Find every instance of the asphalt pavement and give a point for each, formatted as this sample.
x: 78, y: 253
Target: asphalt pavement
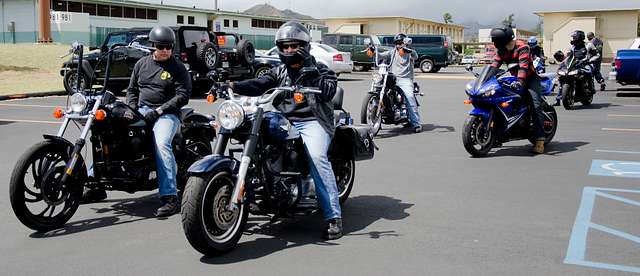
x: 423, y: 206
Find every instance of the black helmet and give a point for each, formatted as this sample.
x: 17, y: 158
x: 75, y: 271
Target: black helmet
x: 162, y: 35
x: 577, y: 37
x: 292, y: 32
x: 399, y: 38
x: 501, y: 36
x: 590, y: 35
x: 559, y: 56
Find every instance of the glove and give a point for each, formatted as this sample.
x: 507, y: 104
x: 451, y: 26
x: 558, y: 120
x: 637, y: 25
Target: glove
x: 151, y: 116
x: 133, y: 106
x: 517, y: 85
x: 220, y: 89
x: 306, y: 56
x: 407, y: 50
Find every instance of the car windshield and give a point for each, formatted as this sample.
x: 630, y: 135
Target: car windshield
x: 326, y: 48
x: 486, y: 74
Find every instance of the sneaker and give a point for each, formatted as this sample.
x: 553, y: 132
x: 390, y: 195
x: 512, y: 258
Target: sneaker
x: 334, y: 229
x: 417, y: 129
x: 603, y: 86
x: 93, y: 195
x: 169, y: 206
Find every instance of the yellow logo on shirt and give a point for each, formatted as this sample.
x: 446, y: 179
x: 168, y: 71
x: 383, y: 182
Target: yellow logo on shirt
x: 165, y: 75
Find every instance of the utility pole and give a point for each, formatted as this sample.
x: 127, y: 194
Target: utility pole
x: 44, y: 34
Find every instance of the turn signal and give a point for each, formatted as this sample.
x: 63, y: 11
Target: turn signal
x: 58, y: 113
x: 221, y: 41
x: 467, y: 101
x: 504, y: 105
x: 298, y: 97
x: 100, y: 115
x: 369, y: 53
x: 211, y: 98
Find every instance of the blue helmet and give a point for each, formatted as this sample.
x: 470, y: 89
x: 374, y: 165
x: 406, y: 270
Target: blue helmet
x: 533, y: 41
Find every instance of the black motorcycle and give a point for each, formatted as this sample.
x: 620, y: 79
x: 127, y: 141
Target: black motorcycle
x: 47, y: 182
x: 576, y: 82
x: 385, y: 102
x: 270, y: 175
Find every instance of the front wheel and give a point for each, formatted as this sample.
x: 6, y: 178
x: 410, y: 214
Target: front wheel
x: 476, y: 137
x: 210, y: 227
x: 567, y: 96
x: 345, y: 172
x: 37, y: 197
x: 369, y: 114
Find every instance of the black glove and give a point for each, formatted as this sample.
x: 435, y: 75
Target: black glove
x: 407, y: 50
x: 133, y: 106
x: 306, y: 56
x: 517, y: 85
x: 151, y: 116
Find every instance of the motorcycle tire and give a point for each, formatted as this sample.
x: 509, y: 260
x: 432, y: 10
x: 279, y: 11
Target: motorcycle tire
x: 45, y: 162
x: 345, y: 172
x: 550, y: 124
x: 470, y: 137
x: 587, y: 99
x: 365, y: 113
x: 567, y: 96
x: 208, y: 226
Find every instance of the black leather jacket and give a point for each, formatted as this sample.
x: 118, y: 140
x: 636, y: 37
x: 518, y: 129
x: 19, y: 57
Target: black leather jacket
x: 320, y: 105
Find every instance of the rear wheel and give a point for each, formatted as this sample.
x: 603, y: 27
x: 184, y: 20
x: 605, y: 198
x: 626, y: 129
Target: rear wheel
x: 550, y: 124
x: 476, y: 137
x: 369, y: 113
x: 207, y: 54
x: 344, y: 171
x: 427, y: 66
x: 567, y: 96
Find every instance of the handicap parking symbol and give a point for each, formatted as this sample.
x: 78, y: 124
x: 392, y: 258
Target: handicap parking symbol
x: 615, y: 168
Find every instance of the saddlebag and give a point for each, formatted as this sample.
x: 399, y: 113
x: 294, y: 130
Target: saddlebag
x: 353, y: 142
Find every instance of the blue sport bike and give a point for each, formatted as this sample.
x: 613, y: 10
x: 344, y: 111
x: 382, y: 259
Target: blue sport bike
x: 501, y: 114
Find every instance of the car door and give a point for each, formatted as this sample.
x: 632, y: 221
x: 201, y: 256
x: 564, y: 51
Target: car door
x: 357, y: 52
x: 345, y: 43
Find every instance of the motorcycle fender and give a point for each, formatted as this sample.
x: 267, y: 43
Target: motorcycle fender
x: 58, y: 139
x: 485, y: 114
x: 214, y: 162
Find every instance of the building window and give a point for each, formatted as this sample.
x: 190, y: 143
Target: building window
x: 254, y: 23
x: 74, y: 6
x: 116, y: 11
x: 129, y: 12
x: 103, y: 10
x: 89, y: 8
x: 192, y: 20
x: 141, y: 13
x: 235, y: 24
x: 225, y: 23
x: 152, y: 14
x: 260, y: 23
x: 59, y: 5
x: 180, y: 19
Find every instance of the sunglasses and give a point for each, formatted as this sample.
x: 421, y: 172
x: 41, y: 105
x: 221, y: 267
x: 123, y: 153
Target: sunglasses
x: 292, y: 46
x: 164, y: 47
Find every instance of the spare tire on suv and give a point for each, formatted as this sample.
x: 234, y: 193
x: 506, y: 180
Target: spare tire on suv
x: 207, y: 54
x: 246, y: 51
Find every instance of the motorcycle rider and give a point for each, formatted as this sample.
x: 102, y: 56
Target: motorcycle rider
x: 536, y: 50
x: 160, y: 86
x: 597, y: 43
x: 580, y: 53
x: 311, y: 115
x: 510, y: 50
x: 401, y: 59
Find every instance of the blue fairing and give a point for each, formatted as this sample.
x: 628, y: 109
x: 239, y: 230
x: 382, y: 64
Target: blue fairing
x: 214, y: 162
x: 481, y: 112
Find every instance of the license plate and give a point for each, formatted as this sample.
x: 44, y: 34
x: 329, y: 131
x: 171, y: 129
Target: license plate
x: 225, y: 64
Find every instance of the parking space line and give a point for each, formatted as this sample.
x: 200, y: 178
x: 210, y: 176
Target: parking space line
x: 619, y: 151
x: 622, y: 129
x: 28, y: 121
x: 623, y: 115
x: 27, y: 105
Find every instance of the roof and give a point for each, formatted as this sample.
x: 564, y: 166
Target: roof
x: 390, y: 17
x: 540, y: 13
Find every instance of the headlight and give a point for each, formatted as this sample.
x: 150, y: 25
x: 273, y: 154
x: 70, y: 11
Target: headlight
x: 489, y: 93
x: 573, y: 72
x: 230, y: 115
x: 562, y: 73
x: 78, y: 102
x: 376, y: 78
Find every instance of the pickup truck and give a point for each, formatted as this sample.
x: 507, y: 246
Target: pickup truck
x: 627, y: 65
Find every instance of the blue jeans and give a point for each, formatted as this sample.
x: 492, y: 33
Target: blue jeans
x: 164, y: 130
x: 316, y: 142
x: 406, y: 85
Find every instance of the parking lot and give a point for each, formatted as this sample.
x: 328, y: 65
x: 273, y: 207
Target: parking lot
x: 421, y: 206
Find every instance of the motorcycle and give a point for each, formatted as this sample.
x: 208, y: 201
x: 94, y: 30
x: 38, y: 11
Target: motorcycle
x: 47, y: 181
x: 538, y: 65
x: 385, y: 101
x: 576, y: 82
x: 270, y: 176
x: 500, y: 114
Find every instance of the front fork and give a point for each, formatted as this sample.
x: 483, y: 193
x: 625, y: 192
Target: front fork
x: 245, y: 161
x: 70, y: 169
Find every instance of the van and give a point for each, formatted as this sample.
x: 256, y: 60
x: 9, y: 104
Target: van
x: 354, y: 44
x: 434, y: 51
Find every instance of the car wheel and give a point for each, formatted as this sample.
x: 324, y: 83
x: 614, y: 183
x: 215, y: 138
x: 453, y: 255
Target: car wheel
x: 427, y: 66
x: 247, y: 51
x: 358, y: 68
x: 71, y: 79
x: 261, y: 71
x: 207, y: 54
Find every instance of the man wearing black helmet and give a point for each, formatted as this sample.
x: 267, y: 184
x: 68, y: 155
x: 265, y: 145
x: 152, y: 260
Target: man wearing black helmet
x: 160, y: 86
x: 312, y: 115
x: 516, y: 51
x: 580, y: 53
x: 597, y: 43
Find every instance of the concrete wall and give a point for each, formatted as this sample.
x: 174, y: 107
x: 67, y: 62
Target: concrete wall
x: 393, y: 25
x: 23, y: 13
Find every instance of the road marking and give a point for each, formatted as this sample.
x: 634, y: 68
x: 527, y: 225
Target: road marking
x: 615, y: 168
x: 621, y: 129
x: 27, y: 105
x: 578, y: 239
x: 445, y: 77
x: 28, y: 121
x: 623, y: 115
x: 619, y: 151
x: 632, y: 105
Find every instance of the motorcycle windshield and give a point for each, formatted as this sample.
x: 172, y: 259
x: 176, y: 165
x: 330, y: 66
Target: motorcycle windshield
x: 487, y: 73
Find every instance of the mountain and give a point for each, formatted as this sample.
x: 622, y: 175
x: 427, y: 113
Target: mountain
x: 471, y: 29
x: 268, y: 10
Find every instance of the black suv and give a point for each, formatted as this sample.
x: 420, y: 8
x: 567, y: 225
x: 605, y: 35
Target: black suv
x: 200, y: 50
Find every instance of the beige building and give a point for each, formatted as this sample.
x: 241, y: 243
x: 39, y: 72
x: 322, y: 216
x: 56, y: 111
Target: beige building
x: 386, y: 25
x: 616, y: 28
x: 484, y: 35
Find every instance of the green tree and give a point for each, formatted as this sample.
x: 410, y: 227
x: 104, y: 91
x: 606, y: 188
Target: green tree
x: 508, y: 21
x: 447, y: 18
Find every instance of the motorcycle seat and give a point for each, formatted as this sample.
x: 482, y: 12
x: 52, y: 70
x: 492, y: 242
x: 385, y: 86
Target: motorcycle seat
x: 338, y: 98
x: 184, y: 112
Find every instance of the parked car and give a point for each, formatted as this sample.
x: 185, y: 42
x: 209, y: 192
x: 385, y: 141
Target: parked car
x: 338, y: 62
x: 200, y: 50
x: 434, y: 51
x: 469, y: 60
x: 264, y: 63
x: 626, y: 67
x: 355, y: 46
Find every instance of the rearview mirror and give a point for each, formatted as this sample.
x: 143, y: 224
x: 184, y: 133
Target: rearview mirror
x: 407, y: 41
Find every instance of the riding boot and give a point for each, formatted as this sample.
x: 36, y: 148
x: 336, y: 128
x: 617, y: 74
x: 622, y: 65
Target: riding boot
x: 538, y: 148
x: 169, y: 206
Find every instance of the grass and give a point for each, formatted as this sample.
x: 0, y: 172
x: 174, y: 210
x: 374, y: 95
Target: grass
x: 26, y: 68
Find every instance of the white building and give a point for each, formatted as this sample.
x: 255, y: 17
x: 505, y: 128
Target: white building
x: 484, y: 35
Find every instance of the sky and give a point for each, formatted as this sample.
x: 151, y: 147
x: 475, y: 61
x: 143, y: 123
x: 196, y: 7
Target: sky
x: 484, y: 11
